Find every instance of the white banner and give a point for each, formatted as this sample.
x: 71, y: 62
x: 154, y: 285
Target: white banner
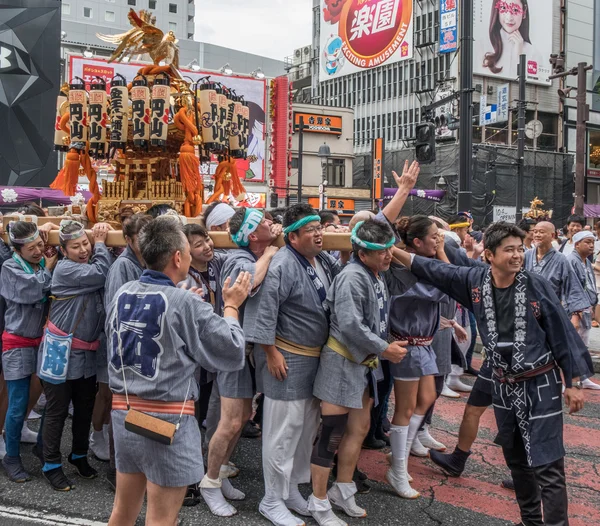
x: 362, y: 34
x: 505, y: 29
x: 253, y: 90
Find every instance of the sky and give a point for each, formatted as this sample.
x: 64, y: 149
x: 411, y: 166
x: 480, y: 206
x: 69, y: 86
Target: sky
x: 271, y: 28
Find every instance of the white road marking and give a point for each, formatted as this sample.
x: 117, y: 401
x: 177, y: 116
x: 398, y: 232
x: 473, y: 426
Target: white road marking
x: 50, y: 519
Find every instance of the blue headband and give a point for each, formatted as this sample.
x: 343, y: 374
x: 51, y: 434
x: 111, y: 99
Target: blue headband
x: 300, y: 223
x: 252, y: 219
x: 367, y: 244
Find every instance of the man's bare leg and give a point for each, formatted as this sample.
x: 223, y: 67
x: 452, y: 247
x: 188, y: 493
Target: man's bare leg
x: 163, y: 504
x: 129, y: 497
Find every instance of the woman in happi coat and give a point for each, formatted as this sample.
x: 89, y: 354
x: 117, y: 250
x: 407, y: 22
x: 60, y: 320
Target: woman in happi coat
x: 24, y: 286
x: 414, y: 317
x: 69, y: 375
x: 346, y: 381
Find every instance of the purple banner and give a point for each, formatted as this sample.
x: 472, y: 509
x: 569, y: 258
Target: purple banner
x: 430, y: 195
x: 17, y: 195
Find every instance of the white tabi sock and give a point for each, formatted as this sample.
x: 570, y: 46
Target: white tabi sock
x: 296, y: 502
x: 213, y: 496
x: 229, y: 492
x: 413, y: 428
x: 322, y: 512
x: 398, y: 440
x: 274, y: 510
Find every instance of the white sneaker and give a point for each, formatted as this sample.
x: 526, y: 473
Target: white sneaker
x: 34, y: 416
x: 2, y: 447
x: 428, y: 441
x: 342, y: 496
x: 27, y: 435
x: 449, y: 393
x: 588, y: 384
x: 99, y: 445
x: 277, y: 513
x: 322, y: 512
x: 455, y: 383
x: 399, y: 482
x: 418, y: 449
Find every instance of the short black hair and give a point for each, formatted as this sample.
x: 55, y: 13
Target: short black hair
x: 194, y: 230
x: 21, y: 230
x: 526, y: 224
x: 31, y: 209
x: 159, y: 210
x: 159, y: 240
x: 133, y: 224
x: 277, y: 215
x: 373, y: 231
x: 296, y: 212
x: 457, y: 219
x: 576, y: 219
x: 498, y: 232
x: 236, y: 221
x: 328, y: 216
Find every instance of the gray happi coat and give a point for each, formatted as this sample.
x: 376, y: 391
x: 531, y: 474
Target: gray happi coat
x: 180, y: 332
x: 25, y: 313
x: 354, y: 322
x: 543, y: 334
x: 126, y: 268
x: 214, y: 281
x: 78, y: 291
x: 584, y: 271
x: 289, y: 306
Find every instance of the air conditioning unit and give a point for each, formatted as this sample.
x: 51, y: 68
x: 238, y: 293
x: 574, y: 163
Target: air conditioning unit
x: 297, y: 59
x: 293, y: 73
x: 306, y: 54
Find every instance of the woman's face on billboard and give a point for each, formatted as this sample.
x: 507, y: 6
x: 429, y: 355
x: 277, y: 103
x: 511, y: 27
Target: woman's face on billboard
x: 510, y: 14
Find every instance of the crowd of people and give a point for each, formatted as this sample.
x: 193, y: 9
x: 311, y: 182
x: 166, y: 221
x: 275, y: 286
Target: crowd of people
x: 148, y: 345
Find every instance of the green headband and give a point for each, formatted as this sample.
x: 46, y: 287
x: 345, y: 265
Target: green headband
x: 252, y: 219
x: 367, y: 244
x: 300, y: 223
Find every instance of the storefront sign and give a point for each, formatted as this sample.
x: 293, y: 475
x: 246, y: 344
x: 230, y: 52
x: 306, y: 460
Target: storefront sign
x: 332, y: 203
x: 318, y: 123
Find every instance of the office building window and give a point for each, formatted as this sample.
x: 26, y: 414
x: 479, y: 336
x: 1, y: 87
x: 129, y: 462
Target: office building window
x: 173, y: 26
x: 109, y: 16
x: 87, y: 12
x: 131, y: 2
x: 66, y: 9
x: 172, y: 8
x: 152, y: 4
x: 335, y: 172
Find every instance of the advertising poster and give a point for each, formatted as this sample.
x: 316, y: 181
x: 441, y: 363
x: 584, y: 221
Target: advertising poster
x: 253, y: 90
x: 505, y: 29
x: 362, y: 34
x: 448, y: 26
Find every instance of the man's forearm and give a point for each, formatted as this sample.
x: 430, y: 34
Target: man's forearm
x: 262, y: 266
x: 394, y: 207
x: 402, y: 257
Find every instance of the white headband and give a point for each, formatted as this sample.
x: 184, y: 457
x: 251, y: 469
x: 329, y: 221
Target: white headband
x: 219, y: 216
x: 580, y: 236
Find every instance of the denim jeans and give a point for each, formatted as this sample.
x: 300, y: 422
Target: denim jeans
x: 18, y: 398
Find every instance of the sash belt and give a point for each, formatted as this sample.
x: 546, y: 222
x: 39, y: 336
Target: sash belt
x: 413, y: 341
x: 296, y: 348
x: 14, y: 341
x: 119, y: 403
x: 372, y: 361
x: 507, y: 378
x: 76, y: 343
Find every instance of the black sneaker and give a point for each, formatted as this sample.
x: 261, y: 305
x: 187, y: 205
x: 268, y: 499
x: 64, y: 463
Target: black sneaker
x: 111, y: 478
x: 251, y: 430
x: 83, y: 467
x: 15, y: 470
x: 452, y: 463
x: 362, y: 486
x: 373, y: 443
x: 508, y: 484
x: 57, y: 479
x: 192, y: 495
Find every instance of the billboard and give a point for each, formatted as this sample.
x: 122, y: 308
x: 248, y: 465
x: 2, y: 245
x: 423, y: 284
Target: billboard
x: 253, y: 90
x: 362, y: 34
x: 505, y: 29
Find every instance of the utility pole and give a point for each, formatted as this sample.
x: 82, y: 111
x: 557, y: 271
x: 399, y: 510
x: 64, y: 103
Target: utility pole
x: 583, y: 114
x: 465, y: 177
x: 300, y: 153
x: 522, y: 104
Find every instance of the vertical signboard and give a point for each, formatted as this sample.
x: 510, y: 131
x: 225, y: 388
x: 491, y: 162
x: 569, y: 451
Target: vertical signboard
x: 502, y: 113
x: 377, y: 170
x: 448, y: 26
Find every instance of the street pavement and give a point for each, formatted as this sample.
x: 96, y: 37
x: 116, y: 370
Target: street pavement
x: 476, y: 499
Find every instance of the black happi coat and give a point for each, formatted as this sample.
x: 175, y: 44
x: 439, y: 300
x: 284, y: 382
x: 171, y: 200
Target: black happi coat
x: 542, y: 334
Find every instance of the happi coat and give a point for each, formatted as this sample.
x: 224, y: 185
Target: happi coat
x: 584, y: 272
x: 289, y: 306
x: 542, y: 334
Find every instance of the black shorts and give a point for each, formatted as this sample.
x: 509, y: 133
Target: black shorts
x: 481, y: 395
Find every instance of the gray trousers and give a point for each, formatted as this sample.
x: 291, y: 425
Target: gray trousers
x: 536, y: 487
